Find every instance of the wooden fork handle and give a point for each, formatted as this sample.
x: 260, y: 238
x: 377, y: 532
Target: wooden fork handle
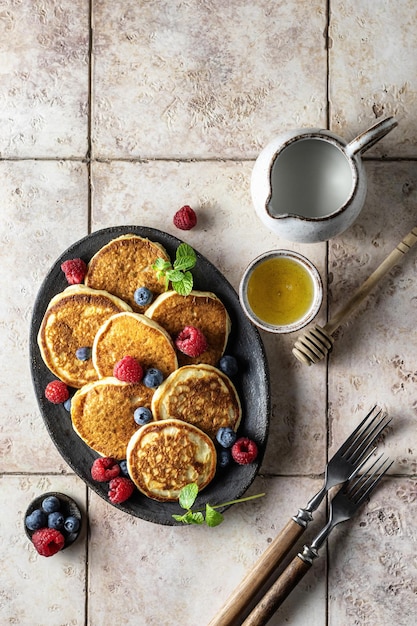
x: 277, y: 593
x: 246, y: 591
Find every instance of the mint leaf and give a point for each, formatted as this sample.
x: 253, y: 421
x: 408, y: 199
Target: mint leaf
x: 188, y: 495
x: 184, y: 286
x: 194, y: 518
x: 178, y: 274
x: 175, y: 276
x: 186, y: 258
x: 213, y: 517
x: 190, y: 518
x: 161, y: 265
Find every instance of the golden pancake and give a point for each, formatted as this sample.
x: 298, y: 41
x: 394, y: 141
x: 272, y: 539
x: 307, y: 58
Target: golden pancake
x: 125, y: 264
x: 201, y: 395
x: 71, y: 322
x: 165, y: 456
x: 102, y: 414
x: 201, y: 309
x: 137, y: 336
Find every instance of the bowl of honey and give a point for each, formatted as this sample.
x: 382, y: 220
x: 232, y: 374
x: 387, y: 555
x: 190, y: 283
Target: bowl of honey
x: 281, y: 291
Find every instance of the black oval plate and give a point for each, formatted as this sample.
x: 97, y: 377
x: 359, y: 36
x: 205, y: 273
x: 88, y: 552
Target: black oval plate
x: 252, y: 382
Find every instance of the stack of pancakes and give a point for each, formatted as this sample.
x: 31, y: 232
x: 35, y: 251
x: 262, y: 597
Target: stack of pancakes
x: 195, y: 398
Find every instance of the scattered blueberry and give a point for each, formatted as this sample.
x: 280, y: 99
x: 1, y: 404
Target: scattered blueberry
x: 153, y: 378
x: 67, y: 405
x: 226, y: 436
x: 71, y: 524
x: 228, y: 365
x: 142, y: 415
x: 224, y: 457
x: 56, y: 520
x: 123, y: 468
x: 51, y: 504
x: 83, y: 354
x: 143, y: 296
x: 37, y: 519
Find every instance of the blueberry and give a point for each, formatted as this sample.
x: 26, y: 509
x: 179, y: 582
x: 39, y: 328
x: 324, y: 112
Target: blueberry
x: 143, y: 296
x: 71, y: 524
x: 83, y: 354
x: 224, y: 457
x: 226, y: 436
x: 56, y: 520
x: 228, y: 365
x: 37, y: 519
x: 51, y: 504
x: 67, y: 405
x: 153, y: 378
x: 123, y: 467
x: 142, y: 415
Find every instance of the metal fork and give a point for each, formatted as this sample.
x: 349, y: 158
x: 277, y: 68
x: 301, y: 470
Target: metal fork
x: 343, y: 506
x: 357, y: 448
x: 343, y: 465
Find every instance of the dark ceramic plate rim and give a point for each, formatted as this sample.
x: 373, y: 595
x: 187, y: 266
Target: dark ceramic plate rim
x: 252, y: 382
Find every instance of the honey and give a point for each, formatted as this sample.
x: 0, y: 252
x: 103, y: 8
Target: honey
x: 280, y: 291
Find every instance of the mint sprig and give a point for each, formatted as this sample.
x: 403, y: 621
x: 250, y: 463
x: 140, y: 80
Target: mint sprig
x: 187, y: 497
x: 179, y: 274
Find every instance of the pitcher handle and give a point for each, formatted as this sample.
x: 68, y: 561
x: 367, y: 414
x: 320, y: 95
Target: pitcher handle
x: 369, y: 137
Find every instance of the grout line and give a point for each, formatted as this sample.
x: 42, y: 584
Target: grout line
x: 328, y: 120
x: 328, y: 13
x: 87, y: 552
x: 173, y: 159
x: 90, y: 118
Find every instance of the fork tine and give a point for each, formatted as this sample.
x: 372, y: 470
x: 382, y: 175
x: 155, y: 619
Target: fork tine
x: 361, y: 487
x: 361, y: 464
x: 353, y: 437
x: 370, y: 437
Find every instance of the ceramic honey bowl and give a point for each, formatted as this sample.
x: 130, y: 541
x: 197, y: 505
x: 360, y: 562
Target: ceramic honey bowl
x: 309, y: 185
x: 281, y: 291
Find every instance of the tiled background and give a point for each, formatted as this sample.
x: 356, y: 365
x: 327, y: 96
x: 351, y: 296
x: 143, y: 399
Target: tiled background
x: 118, y: 112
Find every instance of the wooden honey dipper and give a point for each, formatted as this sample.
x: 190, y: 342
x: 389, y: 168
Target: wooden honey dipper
x: 315, y: 344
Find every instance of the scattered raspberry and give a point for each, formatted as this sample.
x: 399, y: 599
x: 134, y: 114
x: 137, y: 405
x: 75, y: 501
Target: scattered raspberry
x: 104, y: 469
x: 244, y: 451
x: 48, y: 541
x: 74, y: 270
x: 128, y: 369
x: 191, y: 341
x: 56, y: 391
x: 120, y: 489
x: 185, y: 218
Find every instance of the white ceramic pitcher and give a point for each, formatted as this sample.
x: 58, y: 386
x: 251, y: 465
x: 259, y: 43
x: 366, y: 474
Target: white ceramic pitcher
x: 309, y: 185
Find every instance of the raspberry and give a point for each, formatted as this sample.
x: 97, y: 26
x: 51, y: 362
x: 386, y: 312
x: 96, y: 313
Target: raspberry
x: 244, y: 451
x: 185, y: 218
x: 48, y: 541
x: 74, y: 270
x: 120, y: 489
x: 56, y: 391
x: 104, y: 469
x: 128, y: 369
x: 191, y: 341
